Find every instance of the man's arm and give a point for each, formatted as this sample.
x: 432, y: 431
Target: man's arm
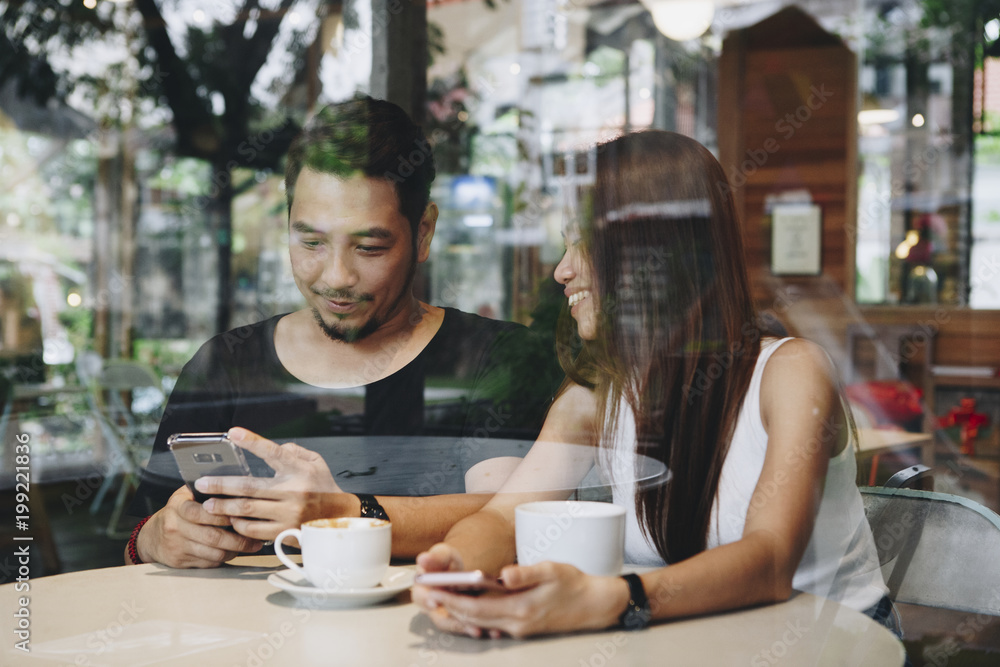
x: 179, y: 532
x: 418, y: 523
x: 303, y: 489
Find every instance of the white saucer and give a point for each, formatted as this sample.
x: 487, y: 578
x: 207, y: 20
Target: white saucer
x: 395, y: 581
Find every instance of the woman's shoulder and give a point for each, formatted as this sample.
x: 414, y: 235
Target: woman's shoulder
x: 576, y: 398
x: 799, y: 389
x: 572, y: 414
x: 797, y: 364
x: 797, y: 351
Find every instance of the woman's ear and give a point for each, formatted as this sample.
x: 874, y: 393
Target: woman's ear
x: 425, y: 231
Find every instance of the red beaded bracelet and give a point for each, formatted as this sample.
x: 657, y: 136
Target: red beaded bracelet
x: 133, y: 551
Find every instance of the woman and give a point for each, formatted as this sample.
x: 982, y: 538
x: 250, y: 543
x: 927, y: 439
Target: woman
x: 762, y: 497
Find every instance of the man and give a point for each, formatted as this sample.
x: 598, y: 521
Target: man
x: 355, y: 361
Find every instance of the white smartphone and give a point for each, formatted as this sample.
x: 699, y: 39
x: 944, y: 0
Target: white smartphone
x: 471, y: 581
x: 205, y: 454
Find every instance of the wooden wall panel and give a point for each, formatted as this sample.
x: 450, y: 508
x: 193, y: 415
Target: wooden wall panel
x: 765, y: 72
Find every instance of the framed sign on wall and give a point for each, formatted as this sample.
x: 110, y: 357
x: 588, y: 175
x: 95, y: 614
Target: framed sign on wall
x: 796, y: 240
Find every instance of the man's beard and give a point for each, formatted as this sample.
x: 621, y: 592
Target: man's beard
x: 348, y: 334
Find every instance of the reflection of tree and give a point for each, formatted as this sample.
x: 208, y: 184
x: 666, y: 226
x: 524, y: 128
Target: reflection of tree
x: 447, y: 123
x: 963, y: 22
x: 29, y: 28
x: 206, y: 85
x: 915, y: 35
x: 221, y: 61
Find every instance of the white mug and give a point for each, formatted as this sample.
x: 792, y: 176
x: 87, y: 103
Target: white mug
x: 339, y: 554
x: 587, y: 535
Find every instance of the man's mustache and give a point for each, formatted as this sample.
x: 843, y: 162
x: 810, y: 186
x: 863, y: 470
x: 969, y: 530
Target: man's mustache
x: 341, y: 295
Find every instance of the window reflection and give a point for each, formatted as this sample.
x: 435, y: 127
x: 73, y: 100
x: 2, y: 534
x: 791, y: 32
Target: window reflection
x: 110, y: 241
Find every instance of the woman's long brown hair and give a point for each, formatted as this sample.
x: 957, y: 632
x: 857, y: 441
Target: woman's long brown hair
x: 678, y: 337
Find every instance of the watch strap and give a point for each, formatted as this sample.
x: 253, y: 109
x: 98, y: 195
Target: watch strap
x: 637, y: 614
x: 370, y: 508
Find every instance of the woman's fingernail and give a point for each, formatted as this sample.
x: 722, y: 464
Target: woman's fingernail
x: 209, y: 505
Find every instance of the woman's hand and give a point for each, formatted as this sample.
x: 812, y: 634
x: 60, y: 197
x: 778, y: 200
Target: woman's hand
x: 302, y: 489
x: 439, y: 558
x: 542, y: 599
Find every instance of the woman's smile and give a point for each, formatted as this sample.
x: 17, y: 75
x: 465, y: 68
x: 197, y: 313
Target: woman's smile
x: 577, y: 297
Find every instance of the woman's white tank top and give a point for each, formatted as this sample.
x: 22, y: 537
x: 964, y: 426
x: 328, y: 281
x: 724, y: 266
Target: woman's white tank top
x: 840, y: 561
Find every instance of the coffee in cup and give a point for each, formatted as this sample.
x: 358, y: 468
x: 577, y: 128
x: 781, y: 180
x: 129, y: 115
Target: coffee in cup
x: 587, y: 535
x: 342, y: 553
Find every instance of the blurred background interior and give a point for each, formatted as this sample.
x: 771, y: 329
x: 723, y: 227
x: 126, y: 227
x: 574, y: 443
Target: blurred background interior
x: 142, y: 207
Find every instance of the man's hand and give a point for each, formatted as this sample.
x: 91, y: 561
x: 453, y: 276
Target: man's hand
x: 302, y: 489
x: 183, y: 534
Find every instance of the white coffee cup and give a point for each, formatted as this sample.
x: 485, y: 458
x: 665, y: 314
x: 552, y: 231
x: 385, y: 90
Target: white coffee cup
x: 340, y: 554
x: 587, y: 535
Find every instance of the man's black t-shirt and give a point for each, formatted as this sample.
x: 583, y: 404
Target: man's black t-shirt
x: 467, y: 381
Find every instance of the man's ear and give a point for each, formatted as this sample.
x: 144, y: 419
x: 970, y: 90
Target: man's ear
x: 425, y: 231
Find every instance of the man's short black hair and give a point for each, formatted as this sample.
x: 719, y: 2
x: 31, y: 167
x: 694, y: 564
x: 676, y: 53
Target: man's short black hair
x: 368, y: 136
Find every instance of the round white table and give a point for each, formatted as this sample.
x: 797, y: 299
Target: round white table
x: 415, y: 465
x: 150, y: 614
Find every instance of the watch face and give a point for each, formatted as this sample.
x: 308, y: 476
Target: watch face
x: 636, y: 618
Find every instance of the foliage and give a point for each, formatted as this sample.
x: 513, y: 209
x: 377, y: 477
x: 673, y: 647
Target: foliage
x: 34, y: 28
x: 38, y: 173
x: 435, y: 42
x: 988, y: 148
x: 962, y: 19
x: 206, y: 81
x: 960, y: 14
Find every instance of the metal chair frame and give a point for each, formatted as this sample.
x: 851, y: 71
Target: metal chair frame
x: 127, y: 437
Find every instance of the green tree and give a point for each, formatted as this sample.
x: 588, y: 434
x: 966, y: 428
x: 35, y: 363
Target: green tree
x: 206, y: 84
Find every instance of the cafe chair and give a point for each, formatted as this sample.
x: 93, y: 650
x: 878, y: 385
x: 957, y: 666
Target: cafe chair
x: 126, y: 399
x: 936, y: 549
x: 918, y: 476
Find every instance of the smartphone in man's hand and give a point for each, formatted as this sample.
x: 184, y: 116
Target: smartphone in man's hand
x: 204, y: 455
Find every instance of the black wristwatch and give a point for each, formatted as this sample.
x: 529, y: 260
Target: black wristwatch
x: 637, y: 614
x: 370, y: 509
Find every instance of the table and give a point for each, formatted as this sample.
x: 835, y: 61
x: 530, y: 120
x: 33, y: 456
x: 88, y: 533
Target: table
x: 146, y: 614
x: 415, y: 465
x: 872, y: 442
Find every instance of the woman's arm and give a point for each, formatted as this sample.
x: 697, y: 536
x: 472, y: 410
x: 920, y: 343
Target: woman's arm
x: 555, y: 465
x: 801, y: 413
x: 805, y: 423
